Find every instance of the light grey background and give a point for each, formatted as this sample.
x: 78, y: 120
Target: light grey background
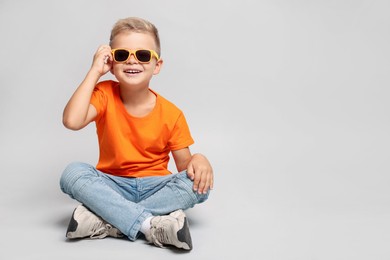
x: 289, y: 99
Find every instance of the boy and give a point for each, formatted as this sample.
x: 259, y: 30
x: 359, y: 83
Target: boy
x: 131, y: 191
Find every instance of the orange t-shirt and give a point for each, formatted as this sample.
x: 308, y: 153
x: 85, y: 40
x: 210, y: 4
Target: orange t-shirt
x: 136, y: 147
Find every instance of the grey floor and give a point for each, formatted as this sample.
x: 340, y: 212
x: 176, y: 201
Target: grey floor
x: 297, y: 131
x: 283, y: 214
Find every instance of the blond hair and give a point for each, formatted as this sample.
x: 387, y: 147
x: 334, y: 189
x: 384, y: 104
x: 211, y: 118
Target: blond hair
x: 135, y: 24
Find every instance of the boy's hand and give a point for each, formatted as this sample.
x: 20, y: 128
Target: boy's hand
x: 102, y: 60
x: 200, y: 172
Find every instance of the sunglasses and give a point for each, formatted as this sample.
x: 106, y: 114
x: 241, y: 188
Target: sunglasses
x: 142, y: 56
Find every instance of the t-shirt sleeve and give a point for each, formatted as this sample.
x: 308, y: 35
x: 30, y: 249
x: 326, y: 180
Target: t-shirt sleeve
x: 99, y: 101
x: 180, y: 136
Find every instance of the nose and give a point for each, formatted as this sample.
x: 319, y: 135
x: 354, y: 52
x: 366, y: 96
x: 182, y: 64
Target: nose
x: 132, y: 59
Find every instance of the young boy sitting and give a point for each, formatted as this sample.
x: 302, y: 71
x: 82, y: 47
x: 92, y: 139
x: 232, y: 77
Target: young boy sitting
x: 131, y: 190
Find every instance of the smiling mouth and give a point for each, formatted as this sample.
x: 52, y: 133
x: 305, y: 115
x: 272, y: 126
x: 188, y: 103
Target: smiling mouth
x: 132, y: 71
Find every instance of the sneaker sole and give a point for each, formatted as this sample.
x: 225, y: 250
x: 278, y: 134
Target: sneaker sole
x: 183, y: 235
x: 72, y: 227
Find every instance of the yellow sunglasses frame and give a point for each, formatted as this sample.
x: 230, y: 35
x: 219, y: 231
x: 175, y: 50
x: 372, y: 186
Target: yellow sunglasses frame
x: 132, y: 52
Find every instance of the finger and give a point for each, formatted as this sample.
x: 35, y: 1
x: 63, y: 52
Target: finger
x: 101, y: 56
x: 106, y: 59
x: 203, y: 183
x: 209, y: 182
x: 104, y: 50
x: 190, y: 171
x: 196, y: 180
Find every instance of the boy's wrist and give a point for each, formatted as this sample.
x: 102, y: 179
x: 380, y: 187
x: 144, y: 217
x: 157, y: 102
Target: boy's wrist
x: 94, y: 75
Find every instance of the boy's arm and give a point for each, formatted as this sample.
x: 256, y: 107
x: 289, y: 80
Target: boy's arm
x: 79, y: 112
x: 198, y: 169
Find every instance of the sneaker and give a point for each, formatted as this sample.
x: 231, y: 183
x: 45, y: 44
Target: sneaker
x: 86, y: 224
x: 171, y: 229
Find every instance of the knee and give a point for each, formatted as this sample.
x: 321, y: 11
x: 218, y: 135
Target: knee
x: 72, y: 174
x: 187, y: 191
x: 202, y: 197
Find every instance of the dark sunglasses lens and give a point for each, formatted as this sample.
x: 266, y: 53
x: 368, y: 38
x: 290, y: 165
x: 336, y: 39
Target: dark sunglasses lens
x: 121, y: 55
x: 143, y: 55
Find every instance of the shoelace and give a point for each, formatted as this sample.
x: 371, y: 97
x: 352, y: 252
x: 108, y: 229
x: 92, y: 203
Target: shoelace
x: 159, y: 235
x: 100, y: 230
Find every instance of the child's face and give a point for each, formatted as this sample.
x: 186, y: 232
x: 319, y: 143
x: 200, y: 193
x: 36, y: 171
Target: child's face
x: 133, y: 72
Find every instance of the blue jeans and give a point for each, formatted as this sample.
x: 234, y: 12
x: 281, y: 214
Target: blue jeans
x: 127, y: 202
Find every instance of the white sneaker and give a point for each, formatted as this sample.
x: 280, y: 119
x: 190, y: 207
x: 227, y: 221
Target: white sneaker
x: 86, y: 224
x: 171, y: 229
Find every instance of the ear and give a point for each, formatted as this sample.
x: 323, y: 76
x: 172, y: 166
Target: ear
x: 157, y: 69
